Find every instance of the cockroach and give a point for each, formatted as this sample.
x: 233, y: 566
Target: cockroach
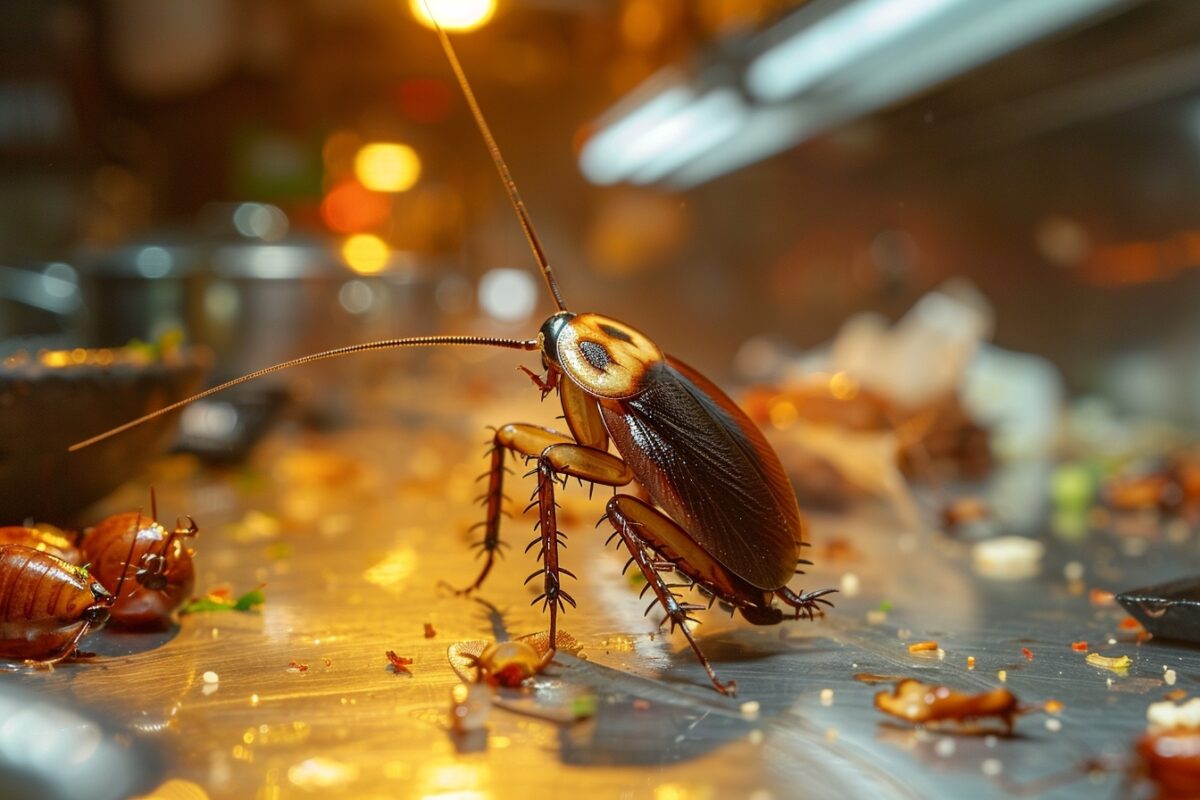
x: 164, y: 572
x: 721, y: 511
x: 47, y: 606
x: 43, y: 539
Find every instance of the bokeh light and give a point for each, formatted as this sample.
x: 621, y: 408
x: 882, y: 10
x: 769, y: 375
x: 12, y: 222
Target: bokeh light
x: 366, y: 253
x: 454, y: 15
x: 508, y: 295
x: 387, y: 167
x: 350, y: 207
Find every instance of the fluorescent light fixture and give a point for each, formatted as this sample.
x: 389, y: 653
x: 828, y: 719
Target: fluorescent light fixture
x: 702, y: 126
x: 838, y: 40
x: 604, y: 160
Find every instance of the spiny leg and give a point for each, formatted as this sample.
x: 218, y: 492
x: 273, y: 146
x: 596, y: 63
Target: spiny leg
x: 69, y: 650
x: 807, y: 604
x: 489, y: 546
x: 677, y: 613
x: 553, y: 596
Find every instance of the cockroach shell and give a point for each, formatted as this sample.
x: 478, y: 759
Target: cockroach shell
x: 43, y: 601
x: 509, y: 663
x: 106, y: 548
x: 45, y: 540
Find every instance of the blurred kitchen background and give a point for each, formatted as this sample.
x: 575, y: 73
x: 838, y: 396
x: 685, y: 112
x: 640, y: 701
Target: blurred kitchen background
x: 736, y: 177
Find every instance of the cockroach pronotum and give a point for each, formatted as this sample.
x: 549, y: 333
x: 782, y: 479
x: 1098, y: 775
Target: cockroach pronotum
x: 47, y: 606
x: 722, y: 512
x: 161, y: 561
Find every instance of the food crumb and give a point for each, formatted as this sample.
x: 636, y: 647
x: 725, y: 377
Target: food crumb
x: 429, y: 631
x: 945, y: 747
x: 876, y: 617
x: 970, y: 662
x: 1100, y: 597
x: 640, y: 704
x: 1130, y: 624
x: 328, y: 663
x: 399, y: 663
x: 1111, y: 640
x: 1053, y: 725
x: 1116, y: 663
x: 750, y: 709
x: 296, y: 666
x: 1079, y: 647
x: 922, y: 647
x: 211, y: 677
x: 1073, y: 571
x: 991, y: 767
x: 1025, y: 651
x: 827, y: 697
x: 1169, y: 677
x: 1052, y: 706
x: 1002, y: 675
x: 850, y: 585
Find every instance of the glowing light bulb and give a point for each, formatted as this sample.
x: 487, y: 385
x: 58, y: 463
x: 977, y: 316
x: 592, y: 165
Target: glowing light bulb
x: 387, y: 167
x: 454, y: 15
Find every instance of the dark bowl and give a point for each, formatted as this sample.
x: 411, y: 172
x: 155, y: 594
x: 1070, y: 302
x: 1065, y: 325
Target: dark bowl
x: 51, y: 400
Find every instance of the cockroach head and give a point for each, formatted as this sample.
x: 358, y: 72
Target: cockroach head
x: 548, y: 336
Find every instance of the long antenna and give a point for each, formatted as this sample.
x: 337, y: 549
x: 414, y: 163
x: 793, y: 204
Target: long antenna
x: 505, y: 176
x: 385, y: 344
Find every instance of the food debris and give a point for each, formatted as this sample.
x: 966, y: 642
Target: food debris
x: 1025, y: 651
x: 970, y: 662
x: 1169, y: 676
x: 296, y: 666
x: 750, y: 709
x: 850, y: 585
x: 1175, y: 694
x: 1116, y: 663
x: 991, y: 767
x: 1008, y: 557
x: 1169, y: 716
x: 1002, y: 675
x: 219, y: 599
x: 964, y: 511
x: 922, y: 703
x: 1130, y: 624
x: 211, y: 677
x: 1079, y: 647
x: 1052, y: 706
x: 328, y: 663
x: 827, y: 697
x: 1073, y: 571
x: 1100, y: 597
x: 509, y: 664
x: 429, y: 631
x: 1053, y: 725
x: 399, y: 663
x: 876, y: 617
x: 640, y: 704
x: 922, y: 647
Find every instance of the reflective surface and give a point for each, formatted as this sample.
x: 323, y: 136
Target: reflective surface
x: 352, y: 531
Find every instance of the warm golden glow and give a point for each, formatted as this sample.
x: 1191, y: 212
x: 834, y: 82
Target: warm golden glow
x: 387, y: 167
x: 454, y: 15
x: 366, y: 253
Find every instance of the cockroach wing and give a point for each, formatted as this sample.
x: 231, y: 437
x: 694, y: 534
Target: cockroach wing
x: 709, y: 467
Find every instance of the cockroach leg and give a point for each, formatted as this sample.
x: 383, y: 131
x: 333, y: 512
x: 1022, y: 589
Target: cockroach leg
x: 677, y: 613
x: 490, y: 545
x: 806, y: 604
x: 546, y: 384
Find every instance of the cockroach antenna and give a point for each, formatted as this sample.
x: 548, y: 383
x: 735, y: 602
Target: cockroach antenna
x: 385, y: 344
x: 506, y: 177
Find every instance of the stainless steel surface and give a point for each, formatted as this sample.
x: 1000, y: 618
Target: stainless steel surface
x: 351, y: 533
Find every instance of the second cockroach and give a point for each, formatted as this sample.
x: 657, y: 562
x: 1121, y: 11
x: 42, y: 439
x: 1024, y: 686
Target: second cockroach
x: 721, y: 512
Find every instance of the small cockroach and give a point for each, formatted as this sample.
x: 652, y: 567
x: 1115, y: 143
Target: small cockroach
x: 47, y: 606
x: 164, y: 573
x: 721, y: 511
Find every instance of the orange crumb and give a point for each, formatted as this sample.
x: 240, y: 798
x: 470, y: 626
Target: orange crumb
x: 399, y: 663
x: 1079, y: 647
x: 970, y: 662
x: 1025, y: 651
x: 1052, y: 706
x: 429, y: 631
x: 296, y: 665
x: 1100, y: 597
x: 922, y: 647
x: 1130, y: 624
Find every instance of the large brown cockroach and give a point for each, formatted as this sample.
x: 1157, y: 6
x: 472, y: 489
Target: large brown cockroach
x: 164, y: 572
x: 47, y: 605
x: 722, y: 512
x: 44, y: 539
